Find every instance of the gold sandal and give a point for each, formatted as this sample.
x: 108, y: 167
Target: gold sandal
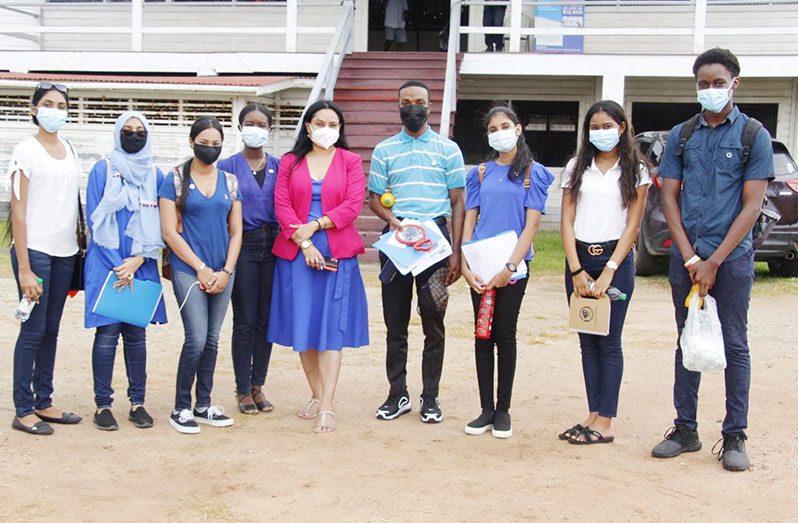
x: 306, y: 414
x: 323, y: 427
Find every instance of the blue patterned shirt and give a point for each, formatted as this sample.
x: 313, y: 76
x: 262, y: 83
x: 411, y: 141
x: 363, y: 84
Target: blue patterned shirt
x: 419, y: 171
x: 712, y: 172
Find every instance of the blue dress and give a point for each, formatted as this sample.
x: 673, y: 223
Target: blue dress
x: 313, y: 309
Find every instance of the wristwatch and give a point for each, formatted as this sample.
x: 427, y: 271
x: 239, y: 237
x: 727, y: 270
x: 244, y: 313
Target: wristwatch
x: 511, y: 267
x: 611, y: 265
x: 304, y: 244
x: 229, y: 273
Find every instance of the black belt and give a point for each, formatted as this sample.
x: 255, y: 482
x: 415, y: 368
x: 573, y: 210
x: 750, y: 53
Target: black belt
x: 596, y: 248
x: 440, y: 221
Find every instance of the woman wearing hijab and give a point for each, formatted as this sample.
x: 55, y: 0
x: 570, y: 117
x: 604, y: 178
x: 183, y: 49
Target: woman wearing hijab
x: 125, y: 225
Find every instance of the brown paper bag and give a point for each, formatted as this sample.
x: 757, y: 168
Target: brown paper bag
x: 590, y: 315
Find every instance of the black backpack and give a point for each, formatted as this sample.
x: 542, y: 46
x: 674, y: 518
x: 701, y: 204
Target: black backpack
x: 767, y: 217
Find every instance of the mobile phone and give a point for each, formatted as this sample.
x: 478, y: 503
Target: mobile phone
x: 330, y: 264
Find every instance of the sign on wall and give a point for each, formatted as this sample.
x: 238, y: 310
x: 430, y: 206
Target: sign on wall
x: 566, y: 15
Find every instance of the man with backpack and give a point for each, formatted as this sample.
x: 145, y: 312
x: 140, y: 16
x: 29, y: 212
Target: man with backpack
x: 715, y: 170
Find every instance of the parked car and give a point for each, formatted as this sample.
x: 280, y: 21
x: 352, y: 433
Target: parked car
x: 779, y: 248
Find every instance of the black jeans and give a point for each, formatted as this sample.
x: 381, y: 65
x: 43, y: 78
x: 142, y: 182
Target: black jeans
x: 493, y: 16
x: 503, y: 337
x: 602, y: 356
x: 252, y: 295
x: 396, y: 299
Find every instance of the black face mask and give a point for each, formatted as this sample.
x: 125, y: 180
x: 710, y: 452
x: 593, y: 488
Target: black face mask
x: 207, y: 154
x: 133, y: 143
x: 413, y: 117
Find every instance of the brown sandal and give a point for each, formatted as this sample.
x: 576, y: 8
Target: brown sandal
x: 243, y: 406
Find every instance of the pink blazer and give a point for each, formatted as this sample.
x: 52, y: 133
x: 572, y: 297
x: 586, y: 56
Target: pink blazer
x: 341, y: 200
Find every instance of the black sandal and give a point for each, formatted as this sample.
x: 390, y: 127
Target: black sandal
x: 245, y: 408
x: 264, y: 405
x: 570, y: 433
x: 591, y: 437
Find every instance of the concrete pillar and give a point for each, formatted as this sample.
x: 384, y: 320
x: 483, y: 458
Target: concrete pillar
x: 612, y: 87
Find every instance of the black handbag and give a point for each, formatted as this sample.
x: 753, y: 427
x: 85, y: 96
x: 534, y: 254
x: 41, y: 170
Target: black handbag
x: 78, y: 283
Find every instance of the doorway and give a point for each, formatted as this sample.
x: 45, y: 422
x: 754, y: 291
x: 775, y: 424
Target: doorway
x: 425, y: 23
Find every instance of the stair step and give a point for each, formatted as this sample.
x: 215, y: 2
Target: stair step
x: 398, y: 55
x: 368, y: 222
x: 373, y: 82
x: 372, y: 255
x: 369, y: 237
x: 371, y: 96
x: 380, y: 131
x: 400, y: 74
x: 355, y: 117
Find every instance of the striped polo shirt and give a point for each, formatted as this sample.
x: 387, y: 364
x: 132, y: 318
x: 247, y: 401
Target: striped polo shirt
x: 419, y: 171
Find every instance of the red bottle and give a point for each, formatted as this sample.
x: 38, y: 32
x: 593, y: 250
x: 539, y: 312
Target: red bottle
x: 485, y: 314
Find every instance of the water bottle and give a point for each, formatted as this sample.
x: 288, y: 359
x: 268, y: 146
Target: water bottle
x: 485, y: 314
x: 23, y: 310
x: 616, y: 295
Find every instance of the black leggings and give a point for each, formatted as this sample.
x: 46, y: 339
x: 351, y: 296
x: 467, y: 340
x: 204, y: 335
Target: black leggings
x: 505, y: 321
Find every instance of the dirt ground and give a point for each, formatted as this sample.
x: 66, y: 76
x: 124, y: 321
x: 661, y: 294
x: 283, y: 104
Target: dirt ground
x: 272, y: 467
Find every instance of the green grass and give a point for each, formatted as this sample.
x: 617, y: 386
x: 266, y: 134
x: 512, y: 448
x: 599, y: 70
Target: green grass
x: 549, y: 255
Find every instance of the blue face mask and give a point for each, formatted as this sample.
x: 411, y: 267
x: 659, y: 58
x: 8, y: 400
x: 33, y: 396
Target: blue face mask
x: 605, y: 139
x: 51, y: 120
x: 714, y: 100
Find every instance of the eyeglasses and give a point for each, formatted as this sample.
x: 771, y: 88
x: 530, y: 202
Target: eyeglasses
x: 130, y: 134
x: 50, y: 85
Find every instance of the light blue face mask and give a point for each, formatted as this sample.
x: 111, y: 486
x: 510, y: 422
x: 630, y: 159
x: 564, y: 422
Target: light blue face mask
x: 254, y: 137
x: 51, y: 120
x: 605, y: 139
x: 714, y: 100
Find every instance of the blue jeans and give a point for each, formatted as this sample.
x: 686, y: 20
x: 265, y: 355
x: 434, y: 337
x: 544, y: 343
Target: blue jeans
x: 202, y: 316
x: 732, y: 291
x: 34, y: 353
x: 102, y: 362
x: 602, y: 356
x: 252, y: 296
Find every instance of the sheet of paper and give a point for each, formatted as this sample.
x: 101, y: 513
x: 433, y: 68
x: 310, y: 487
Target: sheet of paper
x: 489, y: 256
x: 440, y: 251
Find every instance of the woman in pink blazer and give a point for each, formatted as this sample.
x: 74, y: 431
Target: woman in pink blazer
x: 318, y: 299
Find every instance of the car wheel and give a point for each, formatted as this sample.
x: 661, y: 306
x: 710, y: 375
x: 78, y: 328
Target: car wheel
x: 645, y: 263
x: 783, y: 268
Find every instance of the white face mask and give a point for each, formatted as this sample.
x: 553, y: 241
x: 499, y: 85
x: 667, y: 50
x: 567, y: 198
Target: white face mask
x: 503, y: 141
x: 324, y: 137
x: 604, y: 139
x: 51, y: 120
x: 254, y: 137
x: 714, y: 100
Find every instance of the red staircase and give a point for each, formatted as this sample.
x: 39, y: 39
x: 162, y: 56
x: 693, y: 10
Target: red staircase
x: 367, y: 92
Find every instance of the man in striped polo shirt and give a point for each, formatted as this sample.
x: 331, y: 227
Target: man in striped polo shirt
x: 425, y: 173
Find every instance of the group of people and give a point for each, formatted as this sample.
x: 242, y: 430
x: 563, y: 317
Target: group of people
x: 277, y: 237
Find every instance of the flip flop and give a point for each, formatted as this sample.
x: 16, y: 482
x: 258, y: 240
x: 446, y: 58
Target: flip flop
x: 40, y: 428
x: 570, y: 433
x: 323, y: 428
x: 245, y: 408
x: 67, y: 418
x: 306, y: 414
x: 591, y: 437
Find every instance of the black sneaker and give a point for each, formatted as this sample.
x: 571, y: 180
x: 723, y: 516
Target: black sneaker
x: 732, y: 451
x: 183, y: 422
x: 482, y: 424
x: 502, y: 425
x: 213, y: 416
x: 430, y: 410
x: 394, y: 407
x: 140, y: 418
x: 104, y: 420
x: 678, y: 439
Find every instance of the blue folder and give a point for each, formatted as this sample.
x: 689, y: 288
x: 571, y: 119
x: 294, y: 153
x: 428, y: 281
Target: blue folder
x: 405, y: 255
x: 136, y: 307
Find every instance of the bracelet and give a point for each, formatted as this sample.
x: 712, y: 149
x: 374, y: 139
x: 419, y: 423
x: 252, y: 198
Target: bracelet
x: 577, y: 271
x: 318, y: 222
x: 229, y: 273
x: 692, y: 261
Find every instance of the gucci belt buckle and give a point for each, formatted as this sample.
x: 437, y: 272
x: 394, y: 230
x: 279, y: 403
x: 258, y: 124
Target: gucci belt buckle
x: 595, y: 249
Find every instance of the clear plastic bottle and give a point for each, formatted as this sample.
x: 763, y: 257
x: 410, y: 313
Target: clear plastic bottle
x: 23, y: 310
x: 615, y: 294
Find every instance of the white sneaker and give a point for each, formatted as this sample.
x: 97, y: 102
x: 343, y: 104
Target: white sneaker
x: 214, y: 417
x: 184, y: 422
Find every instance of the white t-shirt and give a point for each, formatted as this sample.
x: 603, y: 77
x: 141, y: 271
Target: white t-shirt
x: 600, y: 215
x: 394, y: 13
x: 52, y: 210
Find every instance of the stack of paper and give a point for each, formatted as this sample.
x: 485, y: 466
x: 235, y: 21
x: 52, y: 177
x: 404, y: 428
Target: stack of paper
x: 486, y: 258
x: 406, y: 258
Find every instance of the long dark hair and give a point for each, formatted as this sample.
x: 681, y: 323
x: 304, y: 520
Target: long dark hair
x: 40, y: 91
x: 523, y: 156
x: 630, y: 157
x: 303, y: 144
x: 200, y: 124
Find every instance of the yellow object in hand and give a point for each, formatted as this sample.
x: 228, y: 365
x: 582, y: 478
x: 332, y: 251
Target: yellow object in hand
x: 687, y: 300
x: 387, y: 199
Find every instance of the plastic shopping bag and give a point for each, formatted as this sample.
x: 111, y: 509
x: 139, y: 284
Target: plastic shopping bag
x: 702, y: 337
